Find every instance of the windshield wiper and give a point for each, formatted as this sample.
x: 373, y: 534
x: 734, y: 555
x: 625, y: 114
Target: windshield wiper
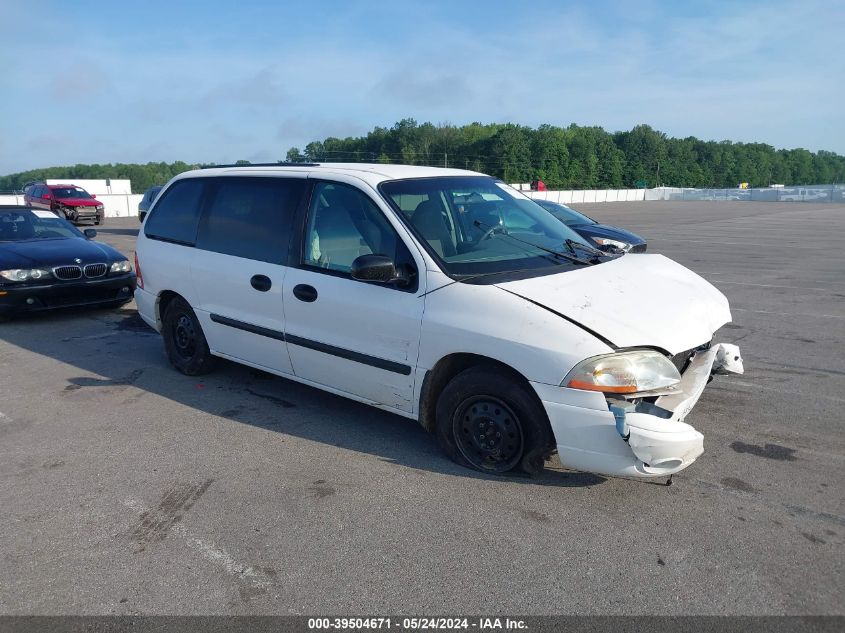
x: 573, y: 244
x: 572, y: 258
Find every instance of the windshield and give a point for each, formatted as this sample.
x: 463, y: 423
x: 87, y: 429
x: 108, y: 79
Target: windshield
x: 21, y: 224
x: 477, y: 225
x: 71, y: 192
x: 569, y: 217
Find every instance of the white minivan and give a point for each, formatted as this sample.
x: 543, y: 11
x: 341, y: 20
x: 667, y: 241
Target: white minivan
x: 441, y: 295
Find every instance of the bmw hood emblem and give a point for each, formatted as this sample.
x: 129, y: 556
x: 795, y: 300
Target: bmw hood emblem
x: 78, y: 261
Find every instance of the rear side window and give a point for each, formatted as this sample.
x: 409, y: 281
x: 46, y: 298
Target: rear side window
x: 251, y: 217
x: 175, y: 217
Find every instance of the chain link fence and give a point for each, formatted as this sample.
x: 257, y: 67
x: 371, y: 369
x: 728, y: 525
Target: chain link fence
x: 803, y: 193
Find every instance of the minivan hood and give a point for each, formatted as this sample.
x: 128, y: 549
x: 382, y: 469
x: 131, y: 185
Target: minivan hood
x: 633, y: 301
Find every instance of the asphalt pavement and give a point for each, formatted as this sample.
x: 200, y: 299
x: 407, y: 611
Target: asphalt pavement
x: 127, y: 488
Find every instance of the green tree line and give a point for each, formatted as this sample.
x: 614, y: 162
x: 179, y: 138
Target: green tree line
x: 573, y: 157
x: 579, y: 157
x: 142, y: 176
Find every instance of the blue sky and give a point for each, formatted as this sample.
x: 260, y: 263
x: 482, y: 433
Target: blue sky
x: 220, y: 81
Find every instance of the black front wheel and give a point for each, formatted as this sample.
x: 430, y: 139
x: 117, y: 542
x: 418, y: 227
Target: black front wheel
x: 184, y: 340
x: 489, y: 420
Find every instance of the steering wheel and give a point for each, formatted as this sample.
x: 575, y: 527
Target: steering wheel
x: 489, y: 232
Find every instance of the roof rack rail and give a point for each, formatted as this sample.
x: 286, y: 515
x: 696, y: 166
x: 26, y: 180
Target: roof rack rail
x: 278, y: 164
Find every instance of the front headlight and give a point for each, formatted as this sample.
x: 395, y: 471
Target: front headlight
x: 121, y: 267
x: 605, y: 241
x: 625, y: 372
x: 100, y: 207
x: 25, y: 274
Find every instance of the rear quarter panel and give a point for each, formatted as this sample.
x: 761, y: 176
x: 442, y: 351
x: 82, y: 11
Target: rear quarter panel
x: 164, y: 266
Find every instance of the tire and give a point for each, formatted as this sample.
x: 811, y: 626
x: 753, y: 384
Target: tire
x: 184, y: 340
x: 488, y: 420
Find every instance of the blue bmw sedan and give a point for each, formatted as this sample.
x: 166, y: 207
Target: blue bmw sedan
x: 602, y: 234
x: 46, y: 262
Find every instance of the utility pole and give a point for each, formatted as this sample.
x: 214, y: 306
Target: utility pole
x: 658, y: 173
x: 445, y: 159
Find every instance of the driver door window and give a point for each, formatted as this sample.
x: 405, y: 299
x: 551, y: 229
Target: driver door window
x: 344, y: 224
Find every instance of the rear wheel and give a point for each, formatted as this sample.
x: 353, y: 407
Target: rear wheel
x: 184, y: 340
x: 487, y: 419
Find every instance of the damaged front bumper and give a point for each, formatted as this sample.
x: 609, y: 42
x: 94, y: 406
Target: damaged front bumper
x: 634, y: 438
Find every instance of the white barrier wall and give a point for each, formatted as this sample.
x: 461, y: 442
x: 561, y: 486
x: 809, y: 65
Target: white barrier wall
x: 585, y: 196
x: 116, y: 205
x: 11, y: 199
x: 121, y: 205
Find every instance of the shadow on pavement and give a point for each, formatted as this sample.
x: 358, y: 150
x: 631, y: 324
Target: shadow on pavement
x: 120, y: 349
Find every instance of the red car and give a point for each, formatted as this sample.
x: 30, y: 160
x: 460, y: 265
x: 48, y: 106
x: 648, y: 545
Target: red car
x: 67, y: 201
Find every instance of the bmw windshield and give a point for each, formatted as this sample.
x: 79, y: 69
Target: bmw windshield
x: 476, y: 225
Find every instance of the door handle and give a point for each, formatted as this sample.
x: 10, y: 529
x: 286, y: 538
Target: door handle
x: 305, y: 293
x: 261, y: 283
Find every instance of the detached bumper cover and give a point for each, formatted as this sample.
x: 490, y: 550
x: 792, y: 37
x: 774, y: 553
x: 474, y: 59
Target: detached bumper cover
x: 634, y: 439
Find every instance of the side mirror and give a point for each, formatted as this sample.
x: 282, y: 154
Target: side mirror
x: 378, y: 268
x: 90, y: 233
x: 46, y: 196
x: 93, y: 195
x: 141, y: 215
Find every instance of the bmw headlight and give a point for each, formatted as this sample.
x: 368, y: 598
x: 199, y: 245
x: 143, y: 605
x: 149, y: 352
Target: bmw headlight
x: 605, y: 241
x: 636, y: 371
x: 25, y: 274
x: 121, y: 267
x: 100, y: 207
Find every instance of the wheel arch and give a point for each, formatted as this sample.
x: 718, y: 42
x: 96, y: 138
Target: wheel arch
x: 162, y: 301
x: 446, y: 369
